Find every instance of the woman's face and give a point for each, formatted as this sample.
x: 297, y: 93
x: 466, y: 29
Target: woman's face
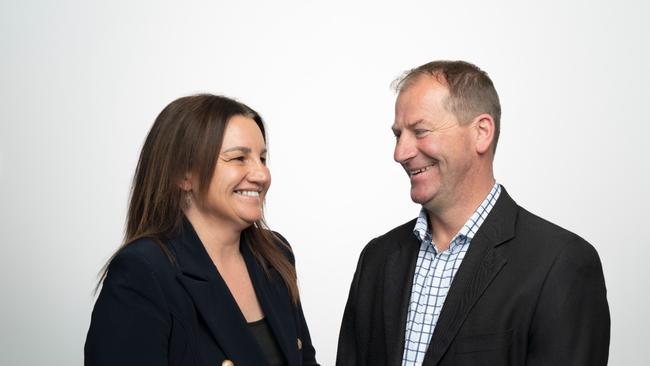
x: 241, y: 177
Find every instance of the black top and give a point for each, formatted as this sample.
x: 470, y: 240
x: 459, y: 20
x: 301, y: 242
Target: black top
x: 267, y: 342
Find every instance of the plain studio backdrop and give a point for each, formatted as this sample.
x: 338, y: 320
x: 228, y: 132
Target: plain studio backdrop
x: 81, y: 83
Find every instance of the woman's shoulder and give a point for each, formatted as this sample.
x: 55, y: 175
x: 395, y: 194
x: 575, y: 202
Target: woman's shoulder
x: 147, y: 253
x: 283, y: 245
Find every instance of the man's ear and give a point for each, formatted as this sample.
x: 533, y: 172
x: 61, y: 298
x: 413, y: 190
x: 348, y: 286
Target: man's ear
x: 484, y: 125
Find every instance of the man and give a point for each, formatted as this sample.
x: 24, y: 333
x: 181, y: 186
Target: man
x: 475, y: 279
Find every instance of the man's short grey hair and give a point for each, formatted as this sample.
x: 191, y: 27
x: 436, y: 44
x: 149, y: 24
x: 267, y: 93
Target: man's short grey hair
x: 471, y: 91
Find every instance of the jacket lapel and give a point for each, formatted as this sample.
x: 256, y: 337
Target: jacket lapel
x: 479, y: 267
x: 213, y: 300
x: 276, y: 306
x: 398, y: 279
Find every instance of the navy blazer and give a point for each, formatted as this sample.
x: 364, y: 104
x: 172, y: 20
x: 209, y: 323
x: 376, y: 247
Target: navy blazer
x: 152, y: 311
x: 527, y: 293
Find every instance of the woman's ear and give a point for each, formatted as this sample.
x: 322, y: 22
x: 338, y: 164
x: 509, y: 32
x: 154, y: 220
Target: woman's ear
x: 484, y: 125
x: 185, y: 184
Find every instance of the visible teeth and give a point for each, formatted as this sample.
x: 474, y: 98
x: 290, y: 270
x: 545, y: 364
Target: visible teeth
x: 416, y: 172
x: 249, y: 193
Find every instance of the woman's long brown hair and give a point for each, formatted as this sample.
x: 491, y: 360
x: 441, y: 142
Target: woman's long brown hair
x: 187, y: 137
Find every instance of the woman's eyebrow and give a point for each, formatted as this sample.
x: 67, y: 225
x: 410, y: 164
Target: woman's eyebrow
x: 244, y: 149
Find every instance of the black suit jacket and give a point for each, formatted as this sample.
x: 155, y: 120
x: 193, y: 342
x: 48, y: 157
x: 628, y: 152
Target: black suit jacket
x: 527, y: 293
x: 154, y: 312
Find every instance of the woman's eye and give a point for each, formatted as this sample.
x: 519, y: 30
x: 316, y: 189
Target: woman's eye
x: 263, y: 160
x: 239, y: 158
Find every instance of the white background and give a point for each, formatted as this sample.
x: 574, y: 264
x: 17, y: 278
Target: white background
x: 81, y: 83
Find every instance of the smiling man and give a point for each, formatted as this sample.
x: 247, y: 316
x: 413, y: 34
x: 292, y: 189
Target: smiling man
x: 475, y: 279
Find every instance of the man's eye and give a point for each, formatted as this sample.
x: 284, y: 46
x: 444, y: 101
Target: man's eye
x: 263, y: 160
x: 420, y: 132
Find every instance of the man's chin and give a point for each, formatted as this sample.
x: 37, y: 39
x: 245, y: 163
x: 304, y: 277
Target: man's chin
x: 420, y: 199
x: 429, y: 201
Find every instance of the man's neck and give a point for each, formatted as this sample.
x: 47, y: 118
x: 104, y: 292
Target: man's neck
x: 446, y: 222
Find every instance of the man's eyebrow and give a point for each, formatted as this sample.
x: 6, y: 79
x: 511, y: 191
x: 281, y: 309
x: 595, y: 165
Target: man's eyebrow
x: 408, y: 125
x: 415, y: 123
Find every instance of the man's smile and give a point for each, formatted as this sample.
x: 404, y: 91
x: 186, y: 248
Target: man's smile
x: 415, y: 172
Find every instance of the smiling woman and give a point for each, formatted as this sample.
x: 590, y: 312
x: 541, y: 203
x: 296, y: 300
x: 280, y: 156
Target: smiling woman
x: 200, y: 279
x: 241, y: 180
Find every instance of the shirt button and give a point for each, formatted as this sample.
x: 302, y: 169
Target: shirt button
x: 227, y: 363
x: 299, y: 344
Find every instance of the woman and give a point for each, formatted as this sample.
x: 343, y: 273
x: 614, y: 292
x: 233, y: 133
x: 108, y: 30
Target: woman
x: 200, y: 280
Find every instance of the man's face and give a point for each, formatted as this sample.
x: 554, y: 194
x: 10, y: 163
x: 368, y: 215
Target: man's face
x: 437, y: 153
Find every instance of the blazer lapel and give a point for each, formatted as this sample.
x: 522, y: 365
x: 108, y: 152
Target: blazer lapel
x: 213, y: 301
x: 276, y: 306
x: 398, y: 279
x: 480, y: 265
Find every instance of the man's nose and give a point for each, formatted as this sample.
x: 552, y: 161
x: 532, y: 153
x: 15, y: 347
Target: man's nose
x: 404, y: 149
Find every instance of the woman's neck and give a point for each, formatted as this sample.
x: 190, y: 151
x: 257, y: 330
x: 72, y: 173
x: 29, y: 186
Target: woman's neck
x: 220, y: 241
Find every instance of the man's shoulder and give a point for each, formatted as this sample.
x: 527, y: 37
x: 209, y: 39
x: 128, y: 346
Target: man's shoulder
x: 529, y: 223
x: 406, y: 229
x: 390, y: 240
x: 549, y: 236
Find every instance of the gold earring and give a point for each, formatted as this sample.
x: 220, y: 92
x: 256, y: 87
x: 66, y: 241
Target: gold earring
x: 188, y: 199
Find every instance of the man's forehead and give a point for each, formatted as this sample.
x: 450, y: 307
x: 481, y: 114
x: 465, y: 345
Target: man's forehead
x: 425, y: 87
x: 416, y: 104
x: 424, y: 80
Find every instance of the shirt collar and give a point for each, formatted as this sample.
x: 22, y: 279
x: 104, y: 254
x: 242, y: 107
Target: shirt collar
x: 423, y: 232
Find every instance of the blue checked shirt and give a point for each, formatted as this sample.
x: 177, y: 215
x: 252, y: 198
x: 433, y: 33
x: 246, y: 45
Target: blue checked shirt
x: 433, y: 275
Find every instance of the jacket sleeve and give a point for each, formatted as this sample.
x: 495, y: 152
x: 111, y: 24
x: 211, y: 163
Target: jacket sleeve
x: 308, y: 350
x: 571, y: 323
x: 347, y: 352
x: 130, y: 323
